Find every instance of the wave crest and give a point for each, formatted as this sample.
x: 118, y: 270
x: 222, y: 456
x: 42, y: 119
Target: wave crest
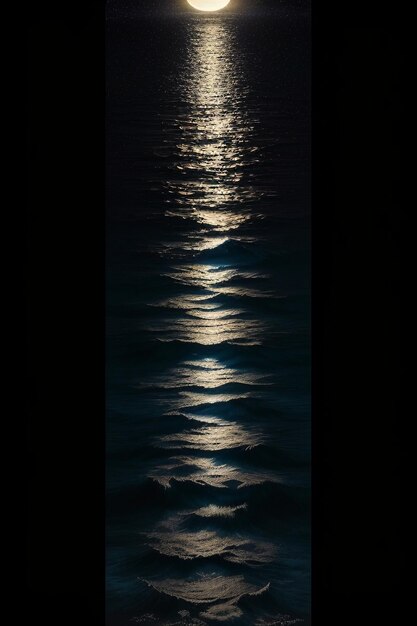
x: 206, y: 472
x: 208, y: 543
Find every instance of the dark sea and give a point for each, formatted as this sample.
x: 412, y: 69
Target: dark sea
x: 208, y: 319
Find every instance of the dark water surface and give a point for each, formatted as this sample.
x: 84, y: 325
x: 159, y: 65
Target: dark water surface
x: 208, y: 311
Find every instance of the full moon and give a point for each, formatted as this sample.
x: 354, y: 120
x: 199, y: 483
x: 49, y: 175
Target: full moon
x: 208, y: 5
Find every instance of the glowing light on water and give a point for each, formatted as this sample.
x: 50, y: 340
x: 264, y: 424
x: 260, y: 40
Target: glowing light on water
x: 208, y: 543
x: 215, y: 144
x: 207, y: 473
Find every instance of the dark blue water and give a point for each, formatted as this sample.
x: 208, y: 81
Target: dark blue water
x: 208, y: 310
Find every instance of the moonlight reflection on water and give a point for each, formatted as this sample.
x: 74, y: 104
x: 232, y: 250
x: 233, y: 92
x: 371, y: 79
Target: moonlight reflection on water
x: 205, y: 479
x: 214, y: 150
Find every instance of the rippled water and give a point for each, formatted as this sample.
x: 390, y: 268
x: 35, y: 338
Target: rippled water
x: 208, y: 444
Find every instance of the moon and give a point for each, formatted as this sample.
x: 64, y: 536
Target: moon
x: 208, y: 5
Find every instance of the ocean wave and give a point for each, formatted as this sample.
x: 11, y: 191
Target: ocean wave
x: 202, y: 340
x: 190, y: 301
x: 218, y: 220
x: 206, y: 544
x: 235, y: 247
x: 212, y: 249
x: 206, y: 406
x: 214, y: 510
x: 209, y: 332
x: 191, y: 399
x: 207, y: 373
x: 207, y: 590
x: 206, y: 472
x: 226, y: 611
x: 212, y: 438
x: 246, y: 292
x: 202, y: 419
x: 223, y: 612
x: 215, y: 315
x: 185, y: 619
x: 278, y: 620
x: 210, y: 276
x: 193, y: 243
x: 178, y: 521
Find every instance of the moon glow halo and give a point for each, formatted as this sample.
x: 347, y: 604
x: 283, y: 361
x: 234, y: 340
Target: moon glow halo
x: 208, y: 5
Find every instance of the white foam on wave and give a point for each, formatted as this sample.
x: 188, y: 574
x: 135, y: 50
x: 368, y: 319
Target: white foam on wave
x: 199, y: 302
x: 246, y: 292
x: 210, y: 276
x: 175, y: 522
x: 208, y: 590
x: 226, y: 611
x: 209, y: 332
x: 215, y: 315
x: 202, y: 419
x: 206, y: 374
x: 214, y: 510
x: 222, y: 612
x: 212, y: 438
x: 208, y: 543
x: 206, y: 472
x: 190, y: 399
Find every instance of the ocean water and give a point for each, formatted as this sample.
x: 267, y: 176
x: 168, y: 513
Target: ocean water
x: 208, y: 320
